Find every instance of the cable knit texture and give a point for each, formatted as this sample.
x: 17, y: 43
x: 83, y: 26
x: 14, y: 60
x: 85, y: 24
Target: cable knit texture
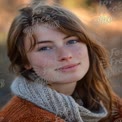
x: 59, y: 104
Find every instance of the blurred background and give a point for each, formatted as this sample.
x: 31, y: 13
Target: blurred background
x: 103, y: 17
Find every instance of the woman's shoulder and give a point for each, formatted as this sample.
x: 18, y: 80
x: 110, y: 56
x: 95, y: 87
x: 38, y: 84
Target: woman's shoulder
x: 20, y: 110
x: 116, y: 113
x: 117, y: 110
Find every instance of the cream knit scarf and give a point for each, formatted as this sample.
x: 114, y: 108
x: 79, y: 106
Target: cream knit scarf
x: 61, y: 105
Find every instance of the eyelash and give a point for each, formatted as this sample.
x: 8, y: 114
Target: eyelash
x: 76, y: 41
x: 50, y: 47
x: 43, y: 48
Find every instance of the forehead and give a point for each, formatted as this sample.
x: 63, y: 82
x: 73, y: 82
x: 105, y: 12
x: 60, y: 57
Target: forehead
x: 45, y: 32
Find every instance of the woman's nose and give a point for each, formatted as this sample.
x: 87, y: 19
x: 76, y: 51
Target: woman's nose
x: 64, y: 54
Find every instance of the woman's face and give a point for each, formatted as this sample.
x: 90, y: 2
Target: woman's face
x: 57, y: 57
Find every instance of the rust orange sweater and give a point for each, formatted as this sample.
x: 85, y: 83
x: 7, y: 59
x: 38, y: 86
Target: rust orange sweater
x: 20, y: 110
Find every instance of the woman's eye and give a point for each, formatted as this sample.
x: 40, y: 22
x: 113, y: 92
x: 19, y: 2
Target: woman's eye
x: 73, y: 41
x: 44, y: 48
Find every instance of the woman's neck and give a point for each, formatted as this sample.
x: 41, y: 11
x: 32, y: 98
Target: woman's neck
x: 65, y: 88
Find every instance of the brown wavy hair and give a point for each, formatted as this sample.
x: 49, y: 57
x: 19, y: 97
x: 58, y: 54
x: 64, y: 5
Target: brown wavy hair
x: 95, y: 86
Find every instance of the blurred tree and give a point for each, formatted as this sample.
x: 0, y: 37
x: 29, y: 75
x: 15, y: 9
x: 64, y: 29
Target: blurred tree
x: 91, y: 2
x: 113, y: 6
x: 38, y: 1
x: 47, y: 1
x: 57, y: 2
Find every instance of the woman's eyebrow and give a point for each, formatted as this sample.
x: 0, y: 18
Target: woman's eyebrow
x: 68, y: 36
x: 49, y: 41
x: 45, y: 41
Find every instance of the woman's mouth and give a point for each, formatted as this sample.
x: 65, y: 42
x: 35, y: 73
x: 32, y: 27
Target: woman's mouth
x: 70, y: 67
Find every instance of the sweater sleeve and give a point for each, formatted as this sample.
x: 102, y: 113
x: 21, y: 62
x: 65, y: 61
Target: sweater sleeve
x: 117, y: 111
x: 19, y: 110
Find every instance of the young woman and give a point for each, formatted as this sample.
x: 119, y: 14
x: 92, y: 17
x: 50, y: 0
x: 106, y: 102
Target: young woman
x: 60, y: 70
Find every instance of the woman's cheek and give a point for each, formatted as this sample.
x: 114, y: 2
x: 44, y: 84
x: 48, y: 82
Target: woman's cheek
x: 38, y: 60
x: 77, y: 51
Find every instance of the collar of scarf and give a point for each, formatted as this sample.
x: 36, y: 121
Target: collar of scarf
x: 61, y: 105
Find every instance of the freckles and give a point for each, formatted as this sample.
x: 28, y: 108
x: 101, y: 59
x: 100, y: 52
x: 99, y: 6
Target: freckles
x: 51, y: 60
x: 79, y: 53
x: 82, y: 54
x: 45, y: 63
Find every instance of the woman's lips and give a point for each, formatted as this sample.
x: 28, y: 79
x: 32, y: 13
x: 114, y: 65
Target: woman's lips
x: 68, y: 67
